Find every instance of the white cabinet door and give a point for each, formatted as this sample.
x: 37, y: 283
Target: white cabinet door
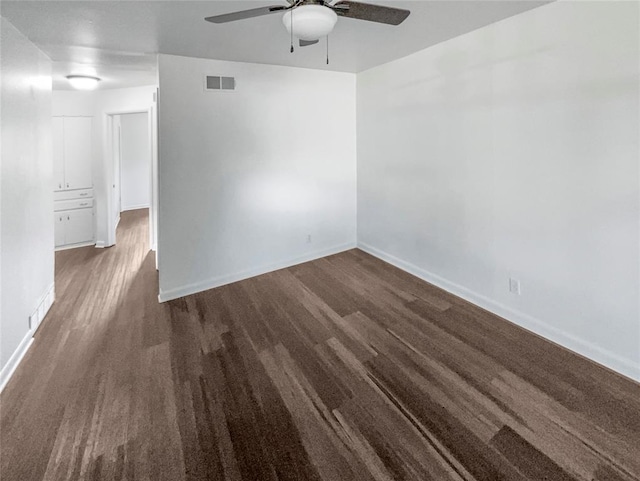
x: 79, y: 226
x: 77, y: 152
x: 58, y: 153
x: 58, y: 228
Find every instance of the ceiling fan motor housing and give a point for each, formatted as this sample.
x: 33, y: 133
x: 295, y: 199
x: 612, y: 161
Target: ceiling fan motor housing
x: 310, y: 22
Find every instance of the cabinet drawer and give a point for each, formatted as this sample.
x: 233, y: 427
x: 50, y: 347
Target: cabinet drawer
x: 72, y: 204
x: 73, y: 194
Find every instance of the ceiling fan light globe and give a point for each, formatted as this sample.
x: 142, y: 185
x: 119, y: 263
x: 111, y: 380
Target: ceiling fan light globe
x: 310, y: 22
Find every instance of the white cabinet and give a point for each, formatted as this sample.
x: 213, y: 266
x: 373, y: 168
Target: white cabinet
x: 77, y: 152
x: 58, y: 228
x: 58, y: 153
x: 72, y: 181
x: 79, y: 226
x: 73, y: 227
x: 72, y: 152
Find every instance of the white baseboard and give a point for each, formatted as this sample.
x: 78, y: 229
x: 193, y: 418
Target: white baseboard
x: 101, y: 244
x: 44, y: 304
x: 74, y: 246
x: 239, y: 276
x: 135, y: 207
x: 586, y: 349
x: 11, y: 365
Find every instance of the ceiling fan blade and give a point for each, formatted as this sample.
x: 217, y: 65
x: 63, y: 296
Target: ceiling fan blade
x: 306, y: 43
x: 372, y: 13
x: 254, y: 12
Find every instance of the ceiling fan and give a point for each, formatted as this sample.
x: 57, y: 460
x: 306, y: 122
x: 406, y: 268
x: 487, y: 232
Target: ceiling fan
x: 310, y: 20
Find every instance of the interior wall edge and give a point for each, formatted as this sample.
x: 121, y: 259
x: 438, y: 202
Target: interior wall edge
x: 220, y: 281
x: 606, y: 358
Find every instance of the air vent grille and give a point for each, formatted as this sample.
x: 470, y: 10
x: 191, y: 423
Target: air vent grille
x: 216, y: 83
x: 213, y: 83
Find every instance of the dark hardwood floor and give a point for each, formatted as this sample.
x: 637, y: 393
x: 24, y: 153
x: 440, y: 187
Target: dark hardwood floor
x: 343, y: 368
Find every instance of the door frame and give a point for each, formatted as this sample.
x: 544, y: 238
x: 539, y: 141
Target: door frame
x: 116, y: 139
x: 153, y: 172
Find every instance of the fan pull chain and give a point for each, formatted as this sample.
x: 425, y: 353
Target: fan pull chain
x: 292, y: 31
x: 327, y: 49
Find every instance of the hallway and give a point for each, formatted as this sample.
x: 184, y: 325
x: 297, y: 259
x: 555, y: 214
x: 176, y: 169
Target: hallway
x: 67, y: 401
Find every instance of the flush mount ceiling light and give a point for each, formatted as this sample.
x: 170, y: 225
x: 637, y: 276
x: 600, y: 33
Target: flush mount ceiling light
x: 83, y: 82
x: 310, y: 22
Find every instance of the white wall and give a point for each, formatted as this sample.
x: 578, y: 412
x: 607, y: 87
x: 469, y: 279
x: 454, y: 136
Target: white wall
x: 98, y: 104
x: 135, y: 164
x: 26, y: 198
x: 513, y: 151
x: 74, y: 103
x: 246, y: 176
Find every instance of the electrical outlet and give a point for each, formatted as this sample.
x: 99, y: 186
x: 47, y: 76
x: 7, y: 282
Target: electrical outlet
x: 308, y: 238
x: 514, y: 286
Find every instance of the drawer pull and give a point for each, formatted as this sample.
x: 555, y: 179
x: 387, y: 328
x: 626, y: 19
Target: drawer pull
x: 84, y: 203
x: 83, y: 194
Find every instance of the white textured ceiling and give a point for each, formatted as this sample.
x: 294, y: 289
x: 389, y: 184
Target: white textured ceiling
x: 118, y: 41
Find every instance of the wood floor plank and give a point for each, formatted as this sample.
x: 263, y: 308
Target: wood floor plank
x: 529, y: 461
x: 344, y: 368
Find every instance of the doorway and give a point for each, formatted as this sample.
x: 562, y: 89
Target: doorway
x: 133, y: 156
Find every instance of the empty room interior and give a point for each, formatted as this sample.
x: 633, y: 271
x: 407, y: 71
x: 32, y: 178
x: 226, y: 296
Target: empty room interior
x: 320, y: 240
